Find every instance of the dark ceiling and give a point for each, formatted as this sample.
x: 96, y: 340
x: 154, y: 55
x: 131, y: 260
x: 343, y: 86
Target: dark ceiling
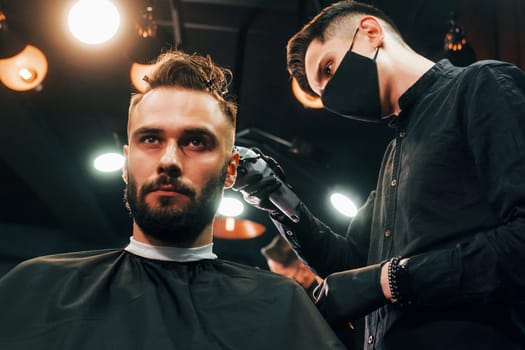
x: 52, y: 200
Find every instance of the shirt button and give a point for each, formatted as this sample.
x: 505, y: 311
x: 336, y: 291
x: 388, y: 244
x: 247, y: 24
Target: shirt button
x: 393, y: 183
x: 289, y: 232
x: 370, y: 339
x: 388, y: 233
x: 402, y: 134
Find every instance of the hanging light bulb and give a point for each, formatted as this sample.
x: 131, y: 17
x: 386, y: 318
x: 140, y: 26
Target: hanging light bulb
x: 24, y: 71
x: 144, y: 48
x: 93, y: 21
x: 22, y: 67
x: 146, y: 25
x: 455, y: 38
x: 3, y: 21
x: 456, y: 47
x: 305, y: 99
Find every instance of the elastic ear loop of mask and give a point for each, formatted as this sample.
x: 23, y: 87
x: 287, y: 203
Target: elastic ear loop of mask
x: 353, y: 41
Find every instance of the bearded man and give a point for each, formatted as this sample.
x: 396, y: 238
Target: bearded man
x: 166, y: 289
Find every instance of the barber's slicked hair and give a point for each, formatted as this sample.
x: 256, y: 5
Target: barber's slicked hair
x: 195, y: 72
x: 279, y: 250
x: 324, y: 26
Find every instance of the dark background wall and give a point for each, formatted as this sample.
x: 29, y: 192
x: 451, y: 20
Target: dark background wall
x: 51, y: 202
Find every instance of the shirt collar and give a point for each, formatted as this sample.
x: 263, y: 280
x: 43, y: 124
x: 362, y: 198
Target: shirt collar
x: 164, y: 253
x: 423, y: 84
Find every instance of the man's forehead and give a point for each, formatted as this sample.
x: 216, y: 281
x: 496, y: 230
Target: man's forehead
x: 178, y: 104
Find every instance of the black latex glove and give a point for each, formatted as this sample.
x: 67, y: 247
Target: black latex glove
x: 256, y: 188
x: 349, y: 295
x: 256, y: 191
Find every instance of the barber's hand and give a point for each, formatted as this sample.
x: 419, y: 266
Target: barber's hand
x: 349, y: 295
x: 257, y: 190
x: 256, y: 187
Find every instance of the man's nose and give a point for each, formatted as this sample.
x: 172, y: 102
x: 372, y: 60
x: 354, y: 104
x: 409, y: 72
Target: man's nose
x: 170, y: 161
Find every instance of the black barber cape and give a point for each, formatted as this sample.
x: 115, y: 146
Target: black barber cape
x: 112, y: 299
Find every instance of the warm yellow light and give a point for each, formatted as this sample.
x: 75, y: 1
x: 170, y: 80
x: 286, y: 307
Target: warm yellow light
x: 137, y: 73
x: 93, y: 21
x: 230, y: 224
x: 28, y: 75
x: 305, y: 99
x: 242, y: 229
x: 24, y: 71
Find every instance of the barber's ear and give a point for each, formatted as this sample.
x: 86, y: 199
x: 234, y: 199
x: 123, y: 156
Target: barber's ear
x: 231, y: 175
x: 373, y: 29
x: 124, y: 166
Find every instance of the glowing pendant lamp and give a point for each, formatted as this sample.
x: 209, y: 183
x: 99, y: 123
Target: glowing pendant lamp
x: 22, y: 67
x: 305, y: 99
x: 25, y: 71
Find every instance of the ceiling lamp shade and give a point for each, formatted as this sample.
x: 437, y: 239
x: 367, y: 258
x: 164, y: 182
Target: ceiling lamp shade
x: 24, y: 71
x: 305, y: 99
x: 137, y: 73
x: 230, y: 228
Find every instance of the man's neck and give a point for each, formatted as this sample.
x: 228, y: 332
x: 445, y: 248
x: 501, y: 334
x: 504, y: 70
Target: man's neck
x: 402, y: 70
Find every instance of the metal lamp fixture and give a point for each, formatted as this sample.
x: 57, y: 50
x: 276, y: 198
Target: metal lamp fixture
x: 20, y: 70
x: 146, y: 47
x: 456, y: 46
x: 147, y: 25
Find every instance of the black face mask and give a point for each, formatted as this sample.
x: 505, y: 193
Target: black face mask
x: 353, y: 91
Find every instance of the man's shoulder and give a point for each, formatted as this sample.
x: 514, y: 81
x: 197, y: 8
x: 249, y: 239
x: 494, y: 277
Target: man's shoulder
x: 65, y: 261
x: 258, y: 275
x: 489, y: 68
x: 243, y: 269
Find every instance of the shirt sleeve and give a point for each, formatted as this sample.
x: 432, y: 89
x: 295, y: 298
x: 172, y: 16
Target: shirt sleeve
x: 324, y: 250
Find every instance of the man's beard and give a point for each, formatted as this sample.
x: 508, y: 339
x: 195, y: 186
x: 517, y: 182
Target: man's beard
x: 177, y: 226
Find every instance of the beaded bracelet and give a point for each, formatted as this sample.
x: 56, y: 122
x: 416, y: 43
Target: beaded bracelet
x: 398, y: 280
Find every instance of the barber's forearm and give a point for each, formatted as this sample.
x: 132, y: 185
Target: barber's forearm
x: 385, y: 287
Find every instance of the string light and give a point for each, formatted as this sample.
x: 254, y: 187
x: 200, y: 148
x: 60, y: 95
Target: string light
x: 146, y: 25
x: 455, y: 38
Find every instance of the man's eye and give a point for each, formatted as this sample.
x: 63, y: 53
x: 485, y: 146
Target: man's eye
x: 196, y: 144
x: 328, y: 69
x: 150, y: 139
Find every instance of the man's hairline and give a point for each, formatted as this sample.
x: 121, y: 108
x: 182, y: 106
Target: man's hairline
x: 137, y: 98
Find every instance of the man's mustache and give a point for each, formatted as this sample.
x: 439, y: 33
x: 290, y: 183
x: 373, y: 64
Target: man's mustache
x: 167, y: 183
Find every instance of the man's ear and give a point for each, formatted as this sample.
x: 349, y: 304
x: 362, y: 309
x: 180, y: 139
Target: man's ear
x: 125, y: 166
x: 371, y: 26
x: 231, y: 175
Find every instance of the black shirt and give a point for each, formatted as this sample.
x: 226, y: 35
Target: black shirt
x: 451, y: 198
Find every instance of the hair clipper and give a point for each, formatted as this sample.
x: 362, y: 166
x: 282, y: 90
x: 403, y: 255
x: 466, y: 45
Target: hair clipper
x: 283, y: 198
